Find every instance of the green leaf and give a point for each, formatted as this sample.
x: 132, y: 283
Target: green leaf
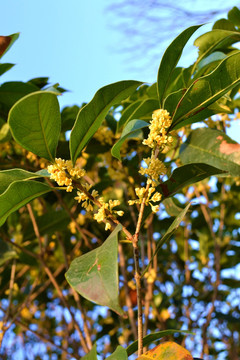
x: 5, y: 67
x: 92, y: 355
x: 91, y: 116
x: 171, y: 206
x: 18, y: 194
x: 234, y: 16
x: 35, y: 122
x: 5, y: 134
x: 213, y: 147
x: 12, y: 91
x: 208, y: 89
x: 143, y: 109
x: 119, y: 354
x: 214, y: 40
x: 170, y: 59
x: 6, y: 42
x: 95, y: 275
x: 7, y: 177
x: 6, y: 252
x: 173, y: 227
x: 48, y: 223
x: 187, y: 175
x: 131, y: 130
x: 153, y: 337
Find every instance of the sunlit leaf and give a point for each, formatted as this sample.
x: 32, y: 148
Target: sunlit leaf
x: 92, y: 355
x: 35, y: 122
x: 208, y: 89
x: 167, y: 351
x: 142, y: 109
x: 131, y: 130
x: 170, y: 59
x: 18, y: 194
x: 150, y: 338
x: 95, y: 275
x: 6, y: 252
x: 214, y: 40
x: 119, y: 354
x: 213, y: 147
x: 6, y: 42
x: 91, y: 116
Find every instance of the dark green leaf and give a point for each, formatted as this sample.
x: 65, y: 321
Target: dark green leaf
x: 144, y: 108
x: 91, y: 116
x: 173, y: 227
x: 7, y: 177
x: 234, y: 16
x: 213, y: 147
x: 187, y: 175
x: 35, y: 122
x: 119, y: 354
x: 170, y: 59
x: 95, y: 275
x: 6, y: 42
x: 5, y: 67
x: 208, y: 89
x: 131, y: 130
x: 153, y: 337
x: 18, y: 194
x: 92, y: 355
x: 11, y: 92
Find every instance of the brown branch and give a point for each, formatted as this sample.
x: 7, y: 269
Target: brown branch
x: 131, y: 316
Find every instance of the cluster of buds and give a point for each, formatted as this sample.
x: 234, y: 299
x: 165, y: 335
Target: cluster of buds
x: 150, y: 198
x: 155, y: 168
x: 105, y: 210
x: 62, y: 171
x: 158, y: 136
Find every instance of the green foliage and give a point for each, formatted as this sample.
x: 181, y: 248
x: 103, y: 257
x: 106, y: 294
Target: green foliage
x: 55, y: 255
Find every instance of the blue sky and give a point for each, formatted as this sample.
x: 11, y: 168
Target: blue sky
x: 73, y: 43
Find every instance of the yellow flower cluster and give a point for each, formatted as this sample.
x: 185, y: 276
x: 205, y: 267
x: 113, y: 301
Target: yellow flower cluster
x: 104, y: 135
x: 81, y: 196
x: 63, y: 172
x: 155, y: 168
x: 158, y: 130
x: 151, y: 276
x: 104, y: 211
x: 150, y: 197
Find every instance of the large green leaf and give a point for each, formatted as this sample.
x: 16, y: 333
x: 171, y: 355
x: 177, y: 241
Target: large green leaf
x: 170, y: 59
x: 7, y: 177
x: 35, y: 122
x: 214, y: 40
x: 187, y: 175
x: 208, y: 89
x: 234, y: 16
x: 6, y: 42
x: 213, y: 147
x: 18, y: 194
x: 173, y: 227
x: 148, y: 339
x: 91, y: 116
x: 92, y: 355
x: 143, y: 109
x: 95, y: 275
x: 131, y: 130
x: 119, y: 354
